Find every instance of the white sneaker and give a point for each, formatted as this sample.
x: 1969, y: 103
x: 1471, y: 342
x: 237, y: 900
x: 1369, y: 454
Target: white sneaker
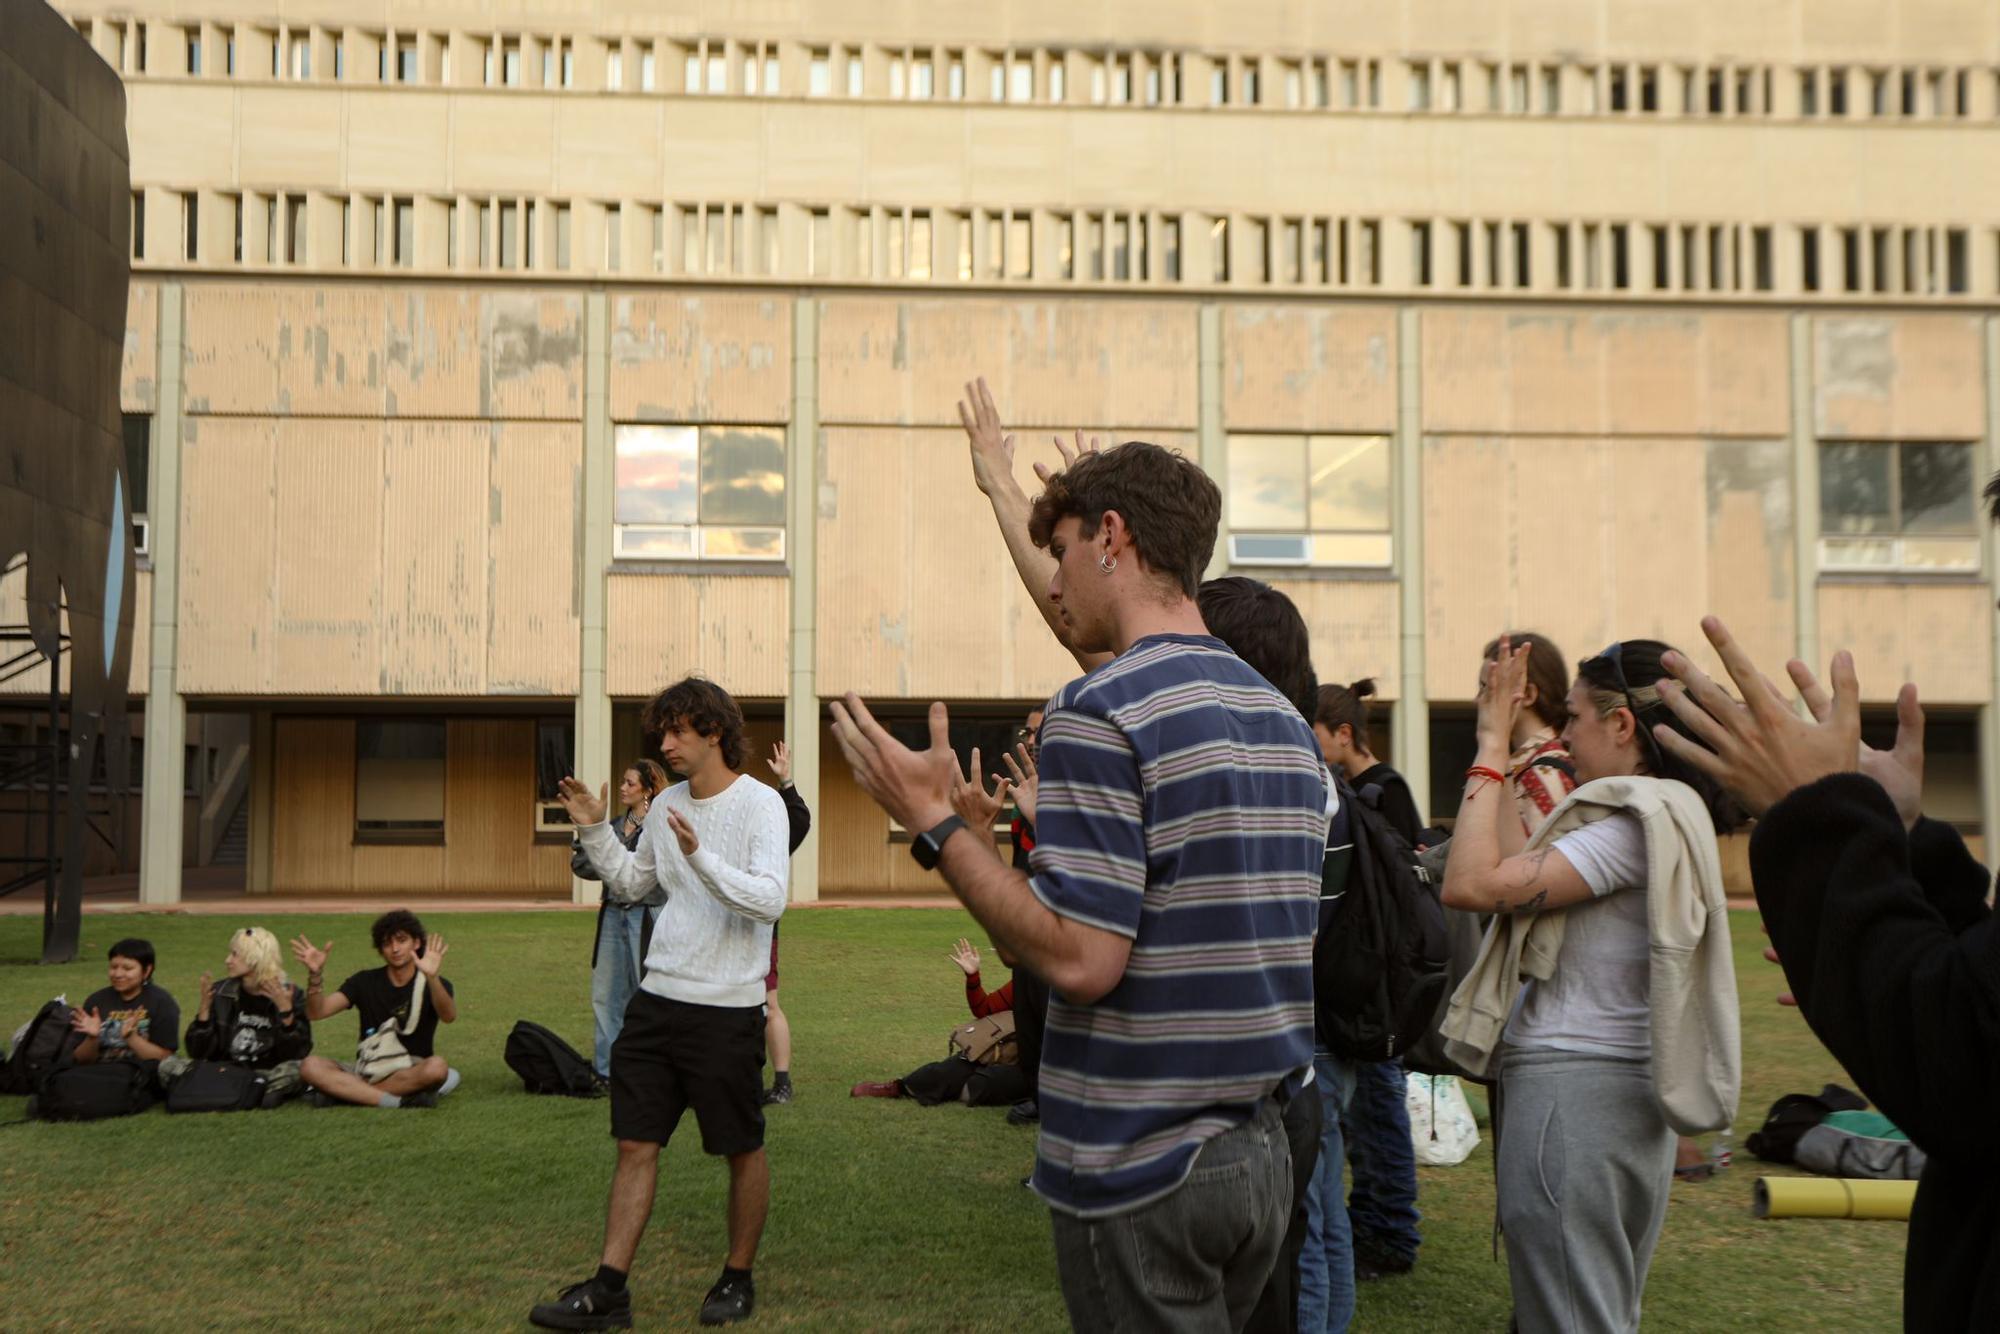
x: 451, y: 1078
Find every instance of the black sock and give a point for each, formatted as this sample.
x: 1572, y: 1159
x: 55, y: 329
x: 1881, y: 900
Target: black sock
x: 611, y: 1280
x: 781, y: 1080
x: 730, y: 1275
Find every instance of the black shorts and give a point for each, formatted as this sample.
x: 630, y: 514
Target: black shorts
x: 671, y: 1056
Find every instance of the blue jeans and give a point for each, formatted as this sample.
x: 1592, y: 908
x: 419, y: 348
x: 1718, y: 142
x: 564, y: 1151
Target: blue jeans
x: 620, y: 965
x: 1382, y: 1205
x: 1326, y: 1266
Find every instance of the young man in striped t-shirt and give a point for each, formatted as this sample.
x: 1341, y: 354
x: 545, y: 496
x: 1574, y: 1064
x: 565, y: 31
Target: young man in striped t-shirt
x: 1180, y: 827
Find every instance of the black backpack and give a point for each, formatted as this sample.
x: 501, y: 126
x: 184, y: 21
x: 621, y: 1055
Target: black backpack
x: 1793, y: 1115
x: 218, y: 1086
x: 94, y: 1092
x: 45, y: 1044
x: 1380, y: 961
x: 547, y: 1064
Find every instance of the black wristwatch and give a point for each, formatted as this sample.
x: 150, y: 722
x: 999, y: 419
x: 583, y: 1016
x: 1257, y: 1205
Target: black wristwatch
x: 928, y: 846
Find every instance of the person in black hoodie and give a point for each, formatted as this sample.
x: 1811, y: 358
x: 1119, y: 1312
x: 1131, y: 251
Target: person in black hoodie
x: 1880, y: 920
x: 255, y: 1017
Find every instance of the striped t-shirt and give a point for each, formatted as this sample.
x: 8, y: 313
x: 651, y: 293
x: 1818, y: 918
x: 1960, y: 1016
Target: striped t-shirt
x: 1182, y: 805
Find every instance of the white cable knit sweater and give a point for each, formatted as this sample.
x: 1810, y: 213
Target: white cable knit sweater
x: 712, y: 939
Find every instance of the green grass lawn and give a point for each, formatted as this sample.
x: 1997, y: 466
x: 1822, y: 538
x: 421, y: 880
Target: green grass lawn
x: 885, y: 1216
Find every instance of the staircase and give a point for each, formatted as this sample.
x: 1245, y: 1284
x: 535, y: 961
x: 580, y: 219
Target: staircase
x: 233, y: 848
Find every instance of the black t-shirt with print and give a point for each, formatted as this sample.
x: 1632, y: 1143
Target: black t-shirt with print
x: 152, y: 1014
x: 379, y: 1001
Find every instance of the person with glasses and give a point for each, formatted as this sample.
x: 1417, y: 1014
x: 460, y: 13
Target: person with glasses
x: 1626, y: 1032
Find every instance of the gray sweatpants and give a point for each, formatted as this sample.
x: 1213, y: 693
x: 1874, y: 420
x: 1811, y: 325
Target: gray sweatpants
x: 1586, y: 1164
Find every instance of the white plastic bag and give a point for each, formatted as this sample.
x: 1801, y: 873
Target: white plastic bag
x: 1441, y: 1124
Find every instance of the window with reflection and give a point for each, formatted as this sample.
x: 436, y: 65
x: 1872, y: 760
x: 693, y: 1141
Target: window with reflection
x: 1897, y: 506
x: 1313, y: 500
x: 699, y: 492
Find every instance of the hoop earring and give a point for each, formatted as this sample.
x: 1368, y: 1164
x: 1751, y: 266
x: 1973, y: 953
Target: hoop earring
x: 1107, y: 562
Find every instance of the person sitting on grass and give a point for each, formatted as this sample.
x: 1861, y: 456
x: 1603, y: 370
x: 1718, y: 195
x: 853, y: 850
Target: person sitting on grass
x: 255, y: 1018
x: 133, y: 1019
x: 956, y: 1079
x: 385, y: 996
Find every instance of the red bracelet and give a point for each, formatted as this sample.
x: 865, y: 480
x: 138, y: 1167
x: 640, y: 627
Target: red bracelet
x: 1481, y: 771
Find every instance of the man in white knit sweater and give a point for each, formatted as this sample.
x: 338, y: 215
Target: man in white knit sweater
x: 694, y: 1032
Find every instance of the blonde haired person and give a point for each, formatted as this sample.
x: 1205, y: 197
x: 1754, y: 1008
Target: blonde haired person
x: 254, y: 1017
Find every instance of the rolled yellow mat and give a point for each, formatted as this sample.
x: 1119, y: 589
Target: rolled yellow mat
x: 1833, y: 1197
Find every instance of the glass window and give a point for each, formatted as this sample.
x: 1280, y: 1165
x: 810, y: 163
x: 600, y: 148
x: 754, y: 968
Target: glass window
x: 1066, y: 246
x: 399, y: 779
x: 614, y: 70
x: 749, y: 84
x: 562, y: 236
x: 1021, y: 80
x: 922, y: 80
x: 770, y: 76
x: 718, y: 74
x: 1170, y: 246
x: 715, y: 491
x: 854, y: 84
x: 194, y: 55
x: 510, y: 63
x: 1809, y: 92
x: 406, y: 62
x: 819, y: 75
x: 895, y: 76
x: 647, y: 67
x: 138, y: 459
x: 406, y: 233
x: 1908, y: 506
x: 1318, y: 500
x: 1058, y: 73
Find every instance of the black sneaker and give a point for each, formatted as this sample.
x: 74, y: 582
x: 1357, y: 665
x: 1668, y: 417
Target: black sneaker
x: 428, y: 1098
x: 729, y: 1301
x: 1024, y: 1113
x: 777, y: 1093
x: 1376, y: 1262
x: 585, y: 1305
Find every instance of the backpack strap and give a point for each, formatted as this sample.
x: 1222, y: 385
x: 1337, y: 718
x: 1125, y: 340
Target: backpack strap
x: 1557, y: 762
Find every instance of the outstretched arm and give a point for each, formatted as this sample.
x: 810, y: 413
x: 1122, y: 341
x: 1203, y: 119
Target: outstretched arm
x: 993, y: 472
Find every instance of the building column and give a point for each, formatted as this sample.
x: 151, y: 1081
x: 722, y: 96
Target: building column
x: 161, y: 813
x: 1211, y: 441
x: 802, y: 711
x: 593, y: 699
x: 1412, y: 731
x: 1805, y: 495
x: 1989, y: 715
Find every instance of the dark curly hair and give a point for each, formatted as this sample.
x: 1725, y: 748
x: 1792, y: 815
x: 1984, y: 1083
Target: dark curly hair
x: 1170, y: 506
x: 394, y: 921
x: 703, y: 707
x: 651, y: 777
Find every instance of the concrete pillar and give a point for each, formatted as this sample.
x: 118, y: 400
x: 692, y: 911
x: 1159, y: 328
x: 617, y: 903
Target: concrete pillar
x: 160, y: 806
x: 1213, y: 441
x: 1989, y: 716
x: 1805, y: 494
x: 593, y: 699
x: 1412, y: 725
x: 802, y: 711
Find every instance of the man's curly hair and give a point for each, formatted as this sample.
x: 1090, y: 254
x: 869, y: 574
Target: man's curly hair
x: 703, y: 707
x: 1170, y: 506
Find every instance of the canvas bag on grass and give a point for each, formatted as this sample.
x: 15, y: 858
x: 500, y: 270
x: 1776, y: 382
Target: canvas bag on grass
x: 988, y: 1041
x: 382, y: 1052
x: 1442, y: 1128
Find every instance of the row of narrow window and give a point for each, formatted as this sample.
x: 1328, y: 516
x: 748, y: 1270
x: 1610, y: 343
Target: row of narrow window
x: 713, y: 66
x: 1089, y: 245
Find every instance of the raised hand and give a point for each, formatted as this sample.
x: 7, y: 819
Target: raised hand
x: 1070, y: 454
x: 970, y: 799
x: 582, y: 807
x: 432, y: 958
x: 314, y: 960
x: 781, y: 762
x: 87, y: 1022
x: 1900, y: 769
x: 1027, y: 780
x: 966, y: 956
x: 992, y: 448
x: 913, y: 786
x: 684, y: 832
x: 207, y: 994
x: 1503, y: 691
x: 1759, y: 749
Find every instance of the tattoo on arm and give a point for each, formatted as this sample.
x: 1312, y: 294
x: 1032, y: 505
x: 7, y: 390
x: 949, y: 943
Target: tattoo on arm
x: 1534, y: 904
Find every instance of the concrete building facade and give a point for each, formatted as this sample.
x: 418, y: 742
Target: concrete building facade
x: 493, y: 366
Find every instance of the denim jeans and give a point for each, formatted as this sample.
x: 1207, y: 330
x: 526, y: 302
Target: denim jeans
x: 1326, y: 1267
x: 620, y: 965
x: 1195, y: 1261
x: 1382, y: 1206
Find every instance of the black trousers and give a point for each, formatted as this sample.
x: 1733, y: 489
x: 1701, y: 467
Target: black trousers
x: 956, y: 1079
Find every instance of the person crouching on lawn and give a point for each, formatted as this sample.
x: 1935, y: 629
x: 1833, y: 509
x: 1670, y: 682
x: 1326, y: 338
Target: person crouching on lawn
x: 254, y: 1018
x: 408, y: 994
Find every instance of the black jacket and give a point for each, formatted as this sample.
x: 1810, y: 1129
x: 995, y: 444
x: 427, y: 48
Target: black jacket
x: 246, y: 1030
x: 1894, y: 955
